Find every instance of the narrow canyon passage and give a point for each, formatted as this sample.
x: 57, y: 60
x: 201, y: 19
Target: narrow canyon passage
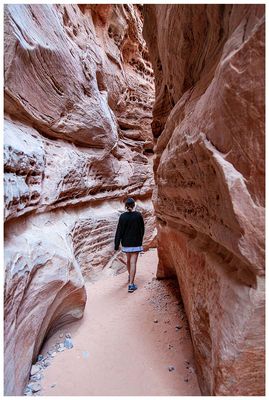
x: 126, y: 342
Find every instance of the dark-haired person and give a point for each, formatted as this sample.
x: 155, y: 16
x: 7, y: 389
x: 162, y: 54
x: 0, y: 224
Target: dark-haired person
x: 130, y: 232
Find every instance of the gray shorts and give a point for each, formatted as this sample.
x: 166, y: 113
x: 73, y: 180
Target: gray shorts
x: 132, y: 249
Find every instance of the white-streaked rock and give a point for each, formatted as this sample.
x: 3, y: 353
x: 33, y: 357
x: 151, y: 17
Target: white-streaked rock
x: 78, y: 99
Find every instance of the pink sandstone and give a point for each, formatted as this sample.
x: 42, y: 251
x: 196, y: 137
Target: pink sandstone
x: 208, y: 124
x: 78, y: 98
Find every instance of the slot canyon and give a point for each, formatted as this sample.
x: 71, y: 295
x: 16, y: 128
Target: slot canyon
x: 165, y: 104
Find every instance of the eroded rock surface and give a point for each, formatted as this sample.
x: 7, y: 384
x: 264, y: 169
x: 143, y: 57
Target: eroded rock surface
x: 78, y: 98
x: 208, y: 122
x: 44, y: 289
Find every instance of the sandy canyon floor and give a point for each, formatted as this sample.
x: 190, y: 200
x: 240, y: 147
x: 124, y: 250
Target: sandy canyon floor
x: 133, y: 344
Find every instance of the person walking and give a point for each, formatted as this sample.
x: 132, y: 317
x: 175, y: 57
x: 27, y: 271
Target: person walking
x: 129, y: 233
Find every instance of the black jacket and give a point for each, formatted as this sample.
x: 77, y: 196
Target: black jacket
x: 130, y: 230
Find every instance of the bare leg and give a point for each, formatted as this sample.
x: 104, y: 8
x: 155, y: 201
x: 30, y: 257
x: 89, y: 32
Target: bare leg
x: 128, y: 262
x: 133, y: 266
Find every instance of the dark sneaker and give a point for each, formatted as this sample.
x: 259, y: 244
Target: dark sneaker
x: 132, y: 288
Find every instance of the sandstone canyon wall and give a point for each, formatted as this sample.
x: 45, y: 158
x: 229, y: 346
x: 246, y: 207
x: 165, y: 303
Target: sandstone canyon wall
x: 208, y: 124
x: 78, y: 98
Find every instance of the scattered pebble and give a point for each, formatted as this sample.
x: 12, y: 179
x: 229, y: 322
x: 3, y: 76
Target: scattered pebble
x: 68, y: 343
x: 156, y: 321
x: 60, y: 349
x: 34, y: 386
x: 61, y: 335
x: 46, y: 363
x: 170, y: 346
x: 53, y: 385
x: 178, y: 327
x: 164, y: 331
x: 171, y: 368
x: 68, y: 335
x: 28, y: 392
x: 35, y: 369
x: 36, y: 377
x: 186, y: 380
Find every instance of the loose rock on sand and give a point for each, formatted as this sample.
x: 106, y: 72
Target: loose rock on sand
x: 119, y: 345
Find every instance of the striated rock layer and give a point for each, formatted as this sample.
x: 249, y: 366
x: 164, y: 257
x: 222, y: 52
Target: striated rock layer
x: 78, y: 98
x: 208, y: 122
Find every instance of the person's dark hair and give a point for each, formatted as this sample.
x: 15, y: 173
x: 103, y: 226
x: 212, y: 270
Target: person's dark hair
x: 129, y: 204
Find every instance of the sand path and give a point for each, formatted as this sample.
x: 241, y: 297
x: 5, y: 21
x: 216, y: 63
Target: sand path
x: 126, y: 342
